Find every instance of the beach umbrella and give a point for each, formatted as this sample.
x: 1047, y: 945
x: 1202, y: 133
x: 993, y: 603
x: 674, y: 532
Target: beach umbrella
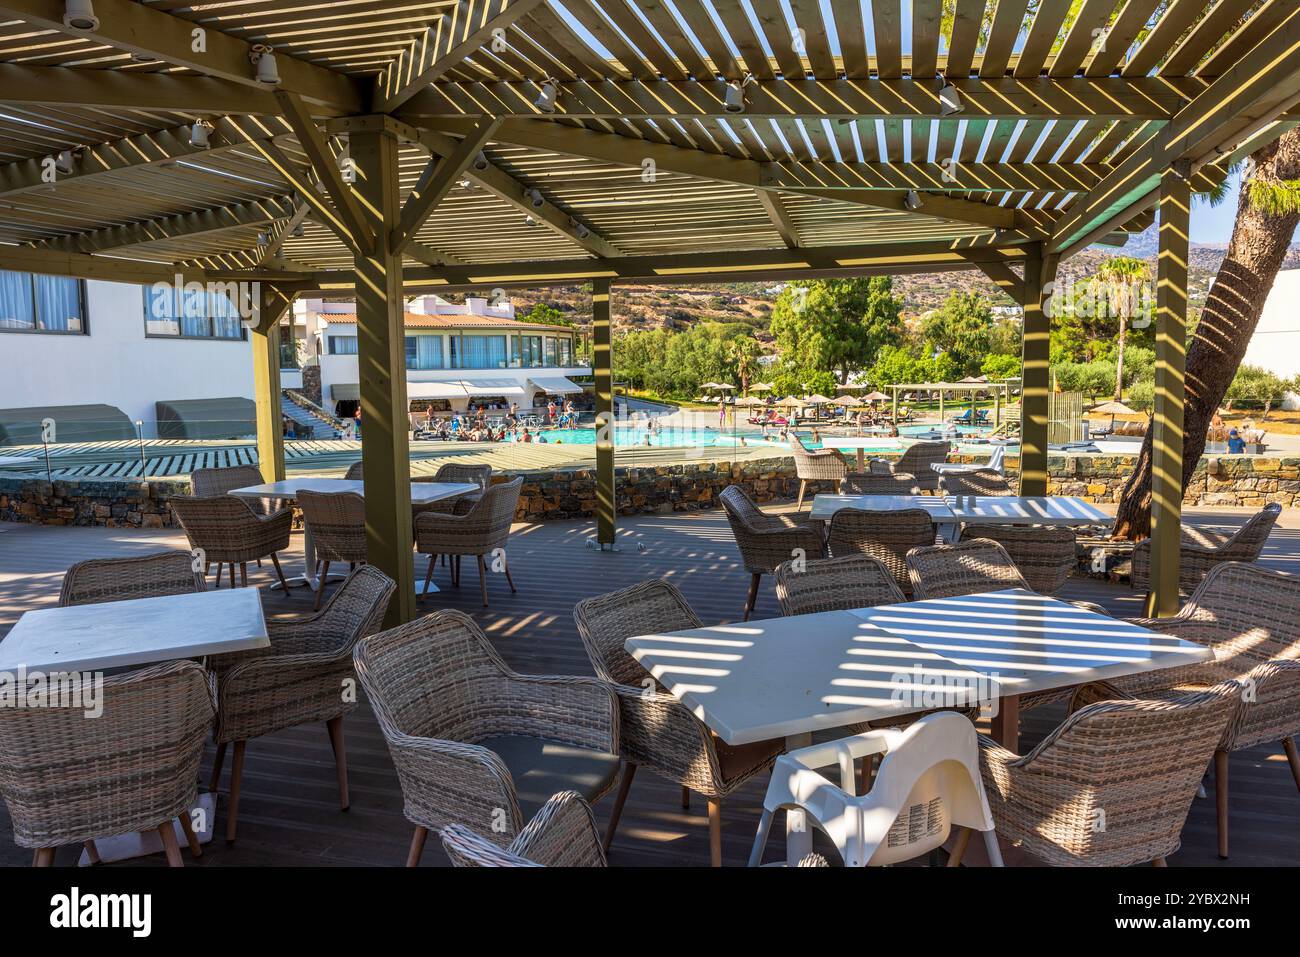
x: 761, y: 387
x: 875, y: 397
x: 790, y: 402
x: 817, y: 399
x: 1111, y: 408
x: 749, y: 401
x: 716, y: 385
x: 851, y: 401
x: 850, y: 387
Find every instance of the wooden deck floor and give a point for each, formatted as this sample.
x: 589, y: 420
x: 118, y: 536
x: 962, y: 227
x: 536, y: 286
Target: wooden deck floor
x: 289, y: 813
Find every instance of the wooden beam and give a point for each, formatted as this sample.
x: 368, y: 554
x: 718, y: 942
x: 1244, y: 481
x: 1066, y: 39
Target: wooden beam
x: 56, y: 262
x: 57, y: 86
x: 1241, y: 103
x: 381, y: 358
x: 951, y: 178
x: 1171, y: 394
x: 439, y: 175
x: 255, y: 213
x: 781, y: 220
x: 322, y: 160
x: 602, y: 368
x: 1035, y: 378
x: 282, y: 231
x: 146, y: 30
x: 457, y: 34
x: 1007, y: 98
x: 273, y: 303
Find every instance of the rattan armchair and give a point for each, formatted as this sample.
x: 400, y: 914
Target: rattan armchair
x: 480, y: 475
x: 1250, y: 618
x: 229, y: 531
x: 1201, y: 549
x: 68, y: 779
x: 483, y: 530
x: 205, y: 483
x: 120, y: 579
x: 974, y: 482
x: 816, y: 465
x: 563, y: 834
x: 657, y: 730
x: 303, y: 677
x: 916, y: 460
x: 765, y: 541
x: 879, y: 483
x: 969, y: 568
x: 476, y: 743
x: 836, y: 584
x: 887, y: 536
x: 1045, y: 555
x: 1112, y: 785
x: 355, y: 473
x: 337, y: 521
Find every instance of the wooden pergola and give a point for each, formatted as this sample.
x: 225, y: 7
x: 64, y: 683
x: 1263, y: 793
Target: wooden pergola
x: 381, y: 150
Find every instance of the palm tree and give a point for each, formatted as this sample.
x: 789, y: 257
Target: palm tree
x: 1125, y: 276
x: 1268, y: 211
x: 745, y: 352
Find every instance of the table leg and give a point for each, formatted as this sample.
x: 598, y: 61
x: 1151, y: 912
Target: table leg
x: 1006, y: 723
x: 798, y: 838
x: 950, y: 532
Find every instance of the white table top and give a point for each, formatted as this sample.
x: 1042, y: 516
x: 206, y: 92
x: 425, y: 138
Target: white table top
x: 861, y: 442
x: 751, y: 681
x: 1031, y: 642
x: 1025, y: 510
x: 136, y: 632
x: 824, y: 506
x: 421, y: 492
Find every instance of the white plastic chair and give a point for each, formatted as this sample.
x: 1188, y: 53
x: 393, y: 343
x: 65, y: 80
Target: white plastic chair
x: 996, y: 459
x: 928, y: 783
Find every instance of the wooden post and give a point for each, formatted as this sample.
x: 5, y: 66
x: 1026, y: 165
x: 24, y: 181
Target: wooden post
x: 1034, y: 384
x: 381, y: 356
x: 603, y: 373
x: 264, y: 335
x: 997, y: 408
x: 1167, y: 422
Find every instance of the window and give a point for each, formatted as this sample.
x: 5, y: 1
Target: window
x: 343, y: 345
x: 31, y: 303
x: 190, y: 313
x: 565, y: 351
x: 485, y: 352
x: 550, y: 350
x: 424, y: 352
x: 530, y: 351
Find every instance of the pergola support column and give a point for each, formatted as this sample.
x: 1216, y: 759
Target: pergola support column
x: 1035, y: 380
x: 381, y: 355
x: 1171, y: 366
x: 264, y: 335
x: 602, y: 368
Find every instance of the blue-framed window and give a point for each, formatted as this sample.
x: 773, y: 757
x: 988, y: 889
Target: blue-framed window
x: 424, y: 352
x: 48, y: 304
x: 190, y: 313
x: 484, y: 352
x: 343, y: 345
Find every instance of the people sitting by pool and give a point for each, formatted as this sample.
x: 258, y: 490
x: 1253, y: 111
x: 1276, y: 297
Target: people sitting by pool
x: 526, y: 436
x: 1236, y: 444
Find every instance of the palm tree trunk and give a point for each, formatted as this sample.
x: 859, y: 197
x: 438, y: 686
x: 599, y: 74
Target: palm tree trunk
x: 1259, y: 244
x: 1119, y: 358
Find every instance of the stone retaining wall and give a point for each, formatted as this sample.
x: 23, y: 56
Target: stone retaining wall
x: 1239, y: 480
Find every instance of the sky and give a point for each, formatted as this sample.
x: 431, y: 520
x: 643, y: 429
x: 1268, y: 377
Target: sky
x: 1213, y: 224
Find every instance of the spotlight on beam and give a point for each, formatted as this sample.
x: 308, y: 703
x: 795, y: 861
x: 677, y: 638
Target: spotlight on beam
x: 263, y: 57
x: 546, y: 102
x: 536, y: 198
x: 734, y: 101
x: 580, y: 229
x: 480, y: 161
x: 63, y: 163
x: 263, y: 239
x: 529, y: 221
x: 199, y: 135
x: 913, y: 200
x: 950, y: 100
x: 79, y: 15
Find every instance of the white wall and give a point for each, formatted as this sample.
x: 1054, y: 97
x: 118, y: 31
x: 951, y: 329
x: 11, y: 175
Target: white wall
x: 1276, y: 343
x: 116, y: 364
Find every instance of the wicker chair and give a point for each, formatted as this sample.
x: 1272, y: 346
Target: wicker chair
x: 205, y: 483
x: 1250, y: 618
x: 563, y: 834
x: 1202, y: 549
x: 916, y: 460
x: 338, y: 528
x: 1112, y: 785
x: 1044, y: 555
x: 975, y: 482
x: 69, y: 780
x: 483, y: 530
x: 355, y: 472
x: 765, y: 541
x: 820, y: 465
x: 836, y: 584
x: 885, y: 536
x: 480, y: 475
x: 879, y: 483
x: 657, y: 730
x: 119, y: 579
x: 229, y: 530
x: 969, y: 568
x: 475, y: 743
x: 298, y: 680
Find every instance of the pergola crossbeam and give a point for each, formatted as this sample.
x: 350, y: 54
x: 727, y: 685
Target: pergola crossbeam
x: 439, y: 176
x: 780, y: 219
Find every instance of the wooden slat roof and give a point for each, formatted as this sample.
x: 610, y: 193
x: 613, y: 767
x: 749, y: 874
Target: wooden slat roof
x: 841, y: 119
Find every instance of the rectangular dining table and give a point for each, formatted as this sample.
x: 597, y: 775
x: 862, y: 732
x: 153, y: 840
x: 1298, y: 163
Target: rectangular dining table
x: 861, y: 444
x: 286, y: 490
x: 788, y: 677
x: 824, y: 506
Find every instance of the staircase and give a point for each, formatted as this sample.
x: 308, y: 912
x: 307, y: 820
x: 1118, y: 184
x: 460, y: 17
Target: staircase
x: 310, y: 420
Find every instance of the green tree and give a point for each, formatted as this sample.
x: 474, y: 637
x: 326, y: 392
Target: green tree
x: 546, y: 314
x: 999, y: 366
x: 835, y: 325
x: 1125, y: 279
x: 962, y: 327
x: 1256, y: 387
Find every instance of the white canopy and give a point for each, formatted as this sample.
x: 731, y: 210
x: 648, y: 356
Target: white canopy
x: 434, y: 390
x: 501, y: 387
x: 555, y: 385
